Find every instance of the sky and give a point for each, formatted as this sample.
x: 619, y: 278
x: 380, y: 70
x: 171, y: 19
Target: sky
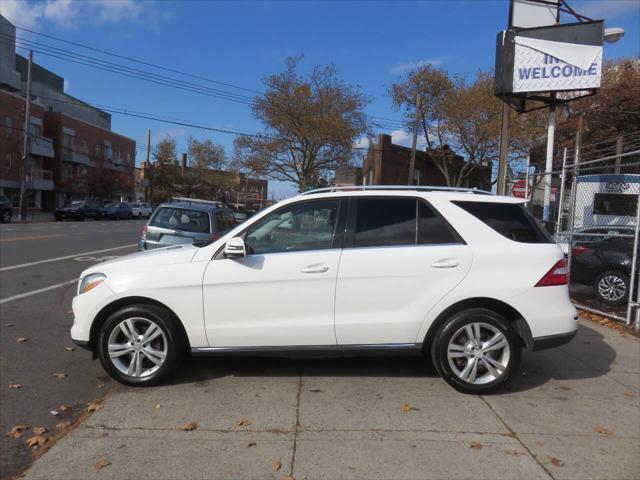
x: 239, y: 43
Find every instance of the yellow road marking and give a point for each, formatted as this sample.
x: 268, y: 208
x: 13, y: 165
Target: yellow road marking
x: 32, y: 237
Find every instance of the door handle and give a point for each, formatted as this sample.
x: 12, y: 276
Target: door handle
x: 446, y: 263
x: 317, y: 268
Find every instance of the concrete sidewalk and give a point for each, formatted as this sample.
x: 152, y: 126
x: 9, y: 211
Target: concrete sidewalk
x: 573, y: 412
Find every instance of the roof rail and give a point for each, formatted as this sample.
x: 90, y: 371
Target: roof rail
x: 419, y: 188
x: 196, y: 200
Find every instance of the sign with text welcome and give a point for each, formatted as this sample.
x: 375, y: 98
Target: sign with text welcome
x: 547, y: 66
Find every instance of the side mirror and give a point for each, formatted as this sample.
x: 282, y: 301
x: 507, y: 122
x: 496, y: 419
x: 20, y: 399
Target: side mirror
x: 235, y: 248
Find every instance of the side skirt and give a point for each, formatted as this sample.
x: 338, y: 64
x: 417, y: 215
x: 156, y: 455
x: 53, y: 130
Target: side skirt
x: 391, y: 349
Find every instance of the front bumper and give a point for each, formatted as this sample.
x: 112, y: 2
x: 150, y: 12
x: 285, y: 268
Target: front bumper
x: 552, y: 341
x: 85, y: 309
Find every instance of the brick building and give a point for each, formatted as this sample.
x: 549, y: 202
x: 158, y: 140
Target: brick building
x: 40, y: 148
x: 388, y: 164
x: 72, y: 152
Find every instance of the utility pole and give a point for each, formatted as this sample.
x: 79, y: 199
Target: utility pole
x: 551, y: 130
x: 414, y: 143
x: 504, y: 151
x: 619, y: 145
x: 147, y: 167
x: 25, y: 144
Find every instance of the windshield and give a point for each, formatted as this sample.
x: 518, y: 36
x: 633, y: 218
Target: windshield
x: 76, y: 203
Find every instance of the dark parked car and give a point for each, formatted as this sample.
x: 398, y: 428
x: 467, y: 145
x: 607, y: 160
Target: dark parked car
x: 181, y: 222
x: 78, y: 210
x: 6, y: 212
x: 117, y: 211
x: 606, y: 266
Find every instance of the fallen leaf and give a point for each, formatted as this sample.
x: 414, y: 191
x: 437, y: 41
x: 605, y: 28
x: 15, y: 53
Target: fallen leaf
x: 251, y: 444
x: 316, y: 390
x: 557, y: 462
x: 60, y: 376
x: 287, y: 477
x: 93, y: 407
x: 188, y: 426
x: 15, y: 386
x: 405, y: 407
x: 564, y: 387
x: 158, y: 406
x: 629, y: 394
x: 101, y: 464
x: 603, y: 431
x: 55, y: 413
x: 37, y: 440
x: 514, y: 452
x: 39, y: 430
x: 21, y: 339
x: 476, y: 445
x: 276, y: 465
x: 69, y: 349
x: 16, y: 431
x: 64, y: 408
x: 63, y: 425
x: 243, y: 422
x: 100, y: 385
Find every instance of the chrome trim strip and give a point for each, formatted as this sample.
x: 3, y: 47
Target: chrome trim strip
x: 309, y: 348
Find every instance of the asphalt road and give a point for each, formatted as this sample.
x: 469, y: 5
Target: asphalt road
x: 39, y: 265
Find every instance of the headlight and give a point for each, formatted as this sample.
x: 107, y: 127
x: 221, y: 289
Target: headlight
x: 90, y: 282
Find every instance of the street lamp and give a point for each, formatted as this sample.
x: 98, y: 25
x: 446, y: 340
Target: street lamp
x: 613, y: 34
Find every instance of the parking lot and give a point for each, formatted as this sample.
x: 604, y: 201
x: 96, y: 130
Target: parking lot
x: 572, y: 412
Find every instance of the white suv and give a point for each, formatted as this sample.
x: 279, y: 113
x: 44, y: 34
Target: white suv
x: 463, y: 277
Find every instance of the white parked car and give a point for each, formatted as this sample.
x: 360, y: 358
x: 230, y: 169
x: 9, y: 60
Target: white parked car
x: 465, y: 278
x: 141, y: 210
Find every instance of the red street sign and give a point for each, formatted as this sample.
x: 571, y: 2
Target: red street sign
x: 518, y: 189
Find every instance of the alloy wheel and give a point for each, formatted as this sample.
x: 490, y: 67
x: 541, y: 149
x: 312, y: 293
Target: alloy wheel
x: 137, y: 347
x: 612, y: 288
x: 478, y: 353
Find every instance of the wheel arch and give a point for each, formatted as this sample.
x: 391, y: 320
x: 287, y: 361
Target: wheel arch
x: 514, y: 317
x: 107, y: 310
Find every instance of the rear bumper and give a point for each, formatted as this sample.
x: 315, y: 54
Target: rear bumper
x: 552, y: 341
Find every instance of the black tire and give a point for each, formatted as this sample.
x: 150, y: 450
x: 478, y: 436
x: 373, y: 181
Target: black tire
x: 6, y: 217
x: 612, y: 287
x: 175, y: 344
x: 451, y: 328
x: 81, y: 217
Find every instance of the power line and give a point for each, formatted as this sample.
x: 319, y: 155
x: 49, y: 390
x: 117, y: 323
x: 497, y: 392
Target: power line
x: 142, y: 62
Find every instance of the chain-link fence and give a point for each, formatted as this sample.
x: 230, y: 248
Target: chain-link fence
x: 591, y: 204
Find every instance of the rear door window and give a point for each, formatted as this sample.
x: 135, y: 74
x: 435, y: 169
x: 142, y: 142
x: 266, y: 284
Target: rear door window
x: 508, y: 219
x: 382, y: 222
x: 181, y: 219
x: 388, y: 221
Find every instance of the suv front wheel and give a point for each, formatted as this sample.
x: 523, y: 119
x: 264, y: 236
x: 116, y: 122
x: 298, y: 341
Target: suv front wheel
x: 476, y: 351
x: 139, y: 345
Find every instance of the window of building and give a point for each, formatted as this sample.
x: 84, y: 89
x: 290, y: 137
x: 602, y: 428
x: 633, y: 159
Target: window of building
x: 7, y: 162
x: 97, y: 150
x: 508, y: 219
x: 34, y: 130
x: 108, y: 152
x: 8, y: 124
x: 128, y: 159
x: 615, y: 204
x: 68, y: 141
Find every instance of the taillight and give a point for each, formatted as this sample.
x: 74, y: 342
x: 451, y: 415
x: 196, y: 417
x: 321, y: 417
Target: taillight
x: 144, y: 232
x: 558, y: 275
x: 578, y: 250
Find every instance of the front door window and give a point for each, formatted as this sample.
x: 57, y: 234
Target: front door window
x: 305, y: 226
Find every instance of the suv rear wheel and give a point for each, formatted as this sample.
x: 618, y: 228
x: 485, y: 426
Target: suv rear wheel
x: 476, y: 351
x: 139, y: 345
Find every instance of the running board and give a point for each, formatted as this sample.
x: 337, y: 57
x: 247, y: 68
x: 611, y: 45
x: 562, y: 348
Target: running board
x: 314, y: 350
